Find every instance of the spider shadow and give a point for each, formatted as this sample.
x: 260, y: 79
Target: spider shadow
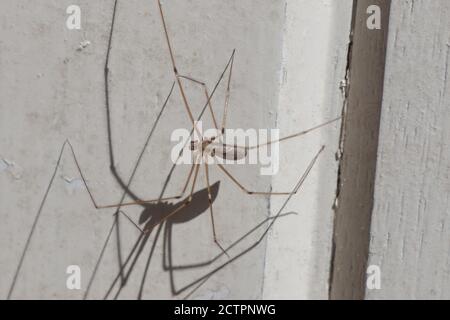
x: 152, y: 214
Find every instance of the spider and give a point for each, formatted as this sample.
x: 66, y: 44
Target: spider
x: 204, y: 148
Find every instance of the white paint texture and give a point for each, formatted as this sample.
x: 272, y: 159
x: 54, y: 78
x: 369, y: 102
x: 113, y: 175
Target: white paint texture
x: 298, y: 256
x: 411, y: 218
x: 52, y: 88
x: 51, y: 91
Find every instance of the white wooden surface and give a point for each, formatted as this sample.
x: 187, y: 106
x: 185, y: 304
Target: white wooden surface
x: 315, y: 45
x: 410, y: 234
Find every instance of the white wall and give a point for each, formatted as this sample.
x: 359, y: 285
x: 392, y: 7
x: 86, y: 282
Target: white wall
x: 53, y: 90
x: 316, y: 37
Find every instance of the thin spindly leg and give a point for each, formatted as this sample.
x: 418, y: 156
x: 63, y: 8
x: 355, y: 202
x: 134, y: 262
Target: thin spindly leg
x: 183, y: 205
x: 229, y: 175
x: 293, y: 135
x: 137, y: 202
x: 131, y: 220
x: 298, y: 134
x: 208, y: 97
x: 208, y: 100
x: 180, y: 86
x: 175, y: 70
x: 211, y: 209
x: 227, y: 94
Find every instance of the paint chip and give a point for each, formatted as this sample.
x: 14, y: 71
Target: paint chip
x: 83, y: 44
x: 73, y: 183
x: 11, y: 167
x: 3, y: 165
x: 343, y: 87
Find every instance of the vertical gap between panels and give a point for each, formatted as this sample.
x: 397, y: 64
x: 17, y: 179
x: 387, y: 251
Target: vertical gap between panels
x: 358, y: 149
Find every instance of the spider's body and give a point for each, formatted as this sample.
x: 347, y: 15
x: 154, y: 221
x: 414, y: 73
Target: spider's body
x: 209, y: 149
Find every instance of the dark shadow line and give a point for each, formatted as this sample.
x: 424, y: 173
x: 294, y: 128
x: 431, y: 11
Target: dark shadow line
x: 118, y: 243
x: 147, y: 265
x: 135, y: 246
x: 36, y: 219
x: 102, y: 252
x: 140, y: 243
x: 106, y: 78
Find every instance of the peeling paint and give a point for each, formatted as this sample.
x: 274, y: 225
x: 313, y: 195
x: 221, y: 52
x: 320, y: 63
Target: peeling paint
x: 83, y: 44
x: 73, y: 183
x: 10, y: 166
x: 3, y: 165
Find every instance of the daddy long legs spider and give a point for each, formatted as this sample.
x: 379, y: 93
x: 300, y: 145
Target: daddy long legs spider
x: 205, y: 147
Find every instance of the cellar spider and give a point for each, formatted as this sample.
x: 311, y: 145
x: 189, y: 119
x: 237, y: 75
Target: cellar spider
x: 205, y: 147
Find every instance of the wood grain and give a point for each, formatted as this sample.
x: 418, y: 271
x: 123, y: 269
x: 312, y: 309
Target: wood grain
x: 411, y: 222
